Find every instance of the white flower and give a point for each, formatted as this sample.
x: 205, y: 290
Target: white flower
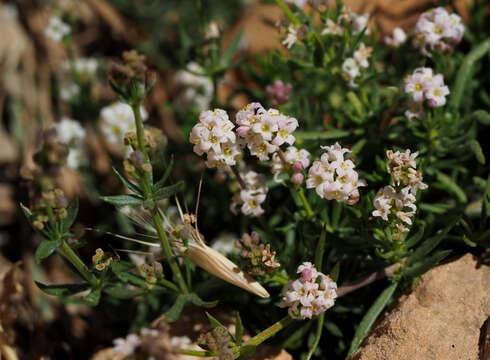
x: 351, y: 70
x: 212, y: 31
x: 69, y: 91
x: 312, y: 294
x: 359, y: 23
x: 263, y: 131
x: 362, y: 55
x: 292, y: 156
x: 424, y: 85
x: 252, y: 197
x: 71, y: 133
x: 117, y: 119
x: 332, y: 28
x: 291, y: 37
x: 299, y: 3
x: 198, y: 89
x: 86, y: 67
x: 334, y: 177
x: 126, y: 345
x: 225, y: 244
x: 436, y: 29
x: 57, y: 29
x: 398, y: 37
x: 213, y: 135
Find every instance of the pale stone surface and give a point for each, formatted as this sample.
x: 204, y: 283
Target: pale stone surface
x: 441, y: 318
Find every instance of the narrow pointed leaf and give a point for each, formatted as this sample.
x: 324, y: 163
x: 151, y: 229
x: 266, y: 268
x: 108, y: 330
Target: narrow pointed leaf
x: 427, y: 264
x: 165, y: 176
x: 131, y: 186
x: 71, y: 215
x: 62, y: 289
x: 123, y: 200
x: 168, y: 191
x: 368, y: 320
x: 46, y: 248
x: 174, y: 312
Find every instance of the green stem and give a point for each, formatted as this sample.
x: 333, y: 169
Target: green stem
x: 305, y: 202
x: 196, y: 353
x: 158, y: 223
x: 169, y: 284
x: 147, y: 191
x: 270, y: 331
x: 319, y: 329
x: 320, y: 249
x: 75, y: 260
x: 463, y: 77
x: 288, y: 12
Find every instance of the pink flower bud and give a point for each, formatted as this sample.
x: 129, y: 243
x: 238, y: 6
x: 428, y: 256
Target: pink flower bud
x: 242, y: 130
x: 298, y: 166
x: 297, y: 178
x: 306, y: 274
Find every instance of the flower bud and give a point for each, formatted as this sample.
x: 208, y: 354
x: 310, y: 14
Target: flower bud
x: 297, y: 178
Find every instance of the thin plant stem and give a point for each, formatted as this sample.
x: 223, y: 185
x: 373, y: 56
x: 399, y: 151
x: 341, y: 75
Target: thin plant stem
x: 155, y: 213
x: 386, y: 272
x: 305, y: 202
x: 288, y: 12
x: 270, y: 331
x: 238, y: 177
x: 318, y: 336
x: 320, y: 250
x: 67, y: 252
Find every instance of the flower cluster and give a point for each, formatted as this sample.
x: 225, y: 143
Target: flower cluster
x: 264, y: 131
x: 279, y: 92
x: 291, y: 36
x: 422, y: 86
x: 312, y: 294
x: 397, y: 202
x: 117, y: 119
x: 197, y: 89
x: 57, y: 29
x: 351, y: 67
x: 252, y: 196
x: 298, y: 159
x: 334, y: 177
x: 72, y: 134
x: 217, y: 341
x: 347, y: 19
x: 84, y: 67
x: 213, y: 135
x: 150, y: 343
x: 261, y: 258
x: 151, y: 272
x: 397, y: 39
x: 438, y: 30
x: 51, y: 202
x: 101, y: 260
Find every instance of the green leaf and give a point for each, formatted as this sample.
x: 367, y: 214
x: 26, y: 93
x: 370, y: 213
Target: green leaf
x: 246, y: 351
x: 168, y: 191
x: 318, y: 53
x: 232, y: 49
x: 475, y: 147
x: 91, y: 299
x: 239, y: 329
x: 216, y: 323
x: 131, y: 186
x: 62, y: 289
x: 123, y: 200
x: 46, y: 248
x: 334, y: 274
x: 333, y: 329
x: 122, y: 292
x: 425, y: 265
x: 368, y: 320
x: 165, y: 176
x: 415, y: 238
x: 481, y: 116
x: 430, y: 244
x: 450, y: 185
x: 316, y: 135
x: 27, y: 212
x: 174, y: 312
x: 71, y: 215
x: 196, y: 300
x: 435, y: 208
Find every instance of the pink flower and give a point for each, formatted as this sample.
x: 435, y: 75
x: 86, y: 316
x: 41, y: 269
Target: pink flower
x: 279, y: 92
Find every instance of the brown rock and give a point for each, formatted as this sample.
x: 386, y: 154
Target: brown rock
x: 442, y: 317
